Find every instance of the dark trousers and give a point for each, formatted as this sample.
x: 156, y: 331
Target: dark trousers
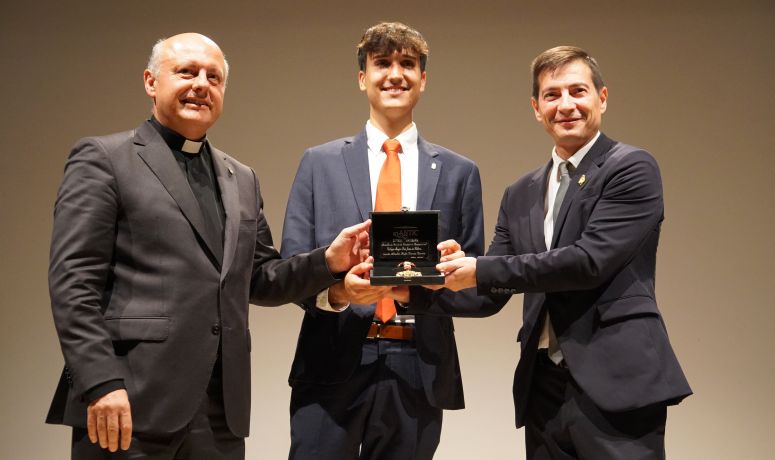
x: 563, y: 423
x: 380, y: 413
x: 206, y: 437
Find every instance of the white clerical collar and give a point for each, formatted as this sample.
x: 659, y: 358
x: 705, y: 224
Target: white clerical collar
x: 192, y: 146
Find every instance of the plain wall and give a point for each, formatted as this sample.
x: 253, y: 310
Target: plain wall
x: 689, y: 81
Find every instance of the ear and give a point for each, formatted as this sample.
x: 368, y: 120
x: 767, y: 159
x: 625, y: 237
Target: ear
x: 150, y: 83
x: 537, y: 113
x: 361, y: 80
x: 422, y: 81
x: 603, y: 99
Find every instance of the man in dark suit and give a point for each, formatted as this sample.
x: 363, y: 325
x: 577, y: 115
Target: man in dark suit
x: 579, y: 237
x: 365, y: 387
x: 159, y: 244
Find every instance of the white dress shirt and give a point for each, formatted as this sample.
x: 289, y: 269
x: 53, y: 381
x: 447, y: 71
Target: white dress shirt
x: 548, y: 339
x: 409, y: 158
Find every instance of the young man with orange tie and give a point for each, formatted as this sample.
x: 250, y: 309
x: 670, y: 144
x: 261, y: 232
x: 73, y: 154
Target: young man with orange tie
x: 370, y: 380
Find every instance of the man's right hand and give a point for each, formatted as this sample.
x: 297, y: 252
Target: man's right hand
x: 109, y: 420
x: 356, y: 287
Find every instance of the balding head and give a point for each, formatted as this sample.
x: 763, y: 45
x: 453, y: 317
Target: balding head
x: 164, y: 44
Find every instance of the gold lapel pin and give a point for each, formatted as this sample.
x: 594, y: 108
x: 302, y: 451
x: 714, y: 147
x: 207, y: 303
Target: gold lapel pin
x: 582, y: 179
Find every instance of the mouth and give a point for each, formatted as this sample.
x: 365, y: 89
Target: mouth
x: 567, y: 122
x: 394, y: 89
x: 195, y: 103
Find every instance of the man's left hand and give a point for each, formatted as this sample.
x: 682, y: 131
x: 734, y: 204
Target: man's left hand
x: 345, y: 250
x: 459, y: 273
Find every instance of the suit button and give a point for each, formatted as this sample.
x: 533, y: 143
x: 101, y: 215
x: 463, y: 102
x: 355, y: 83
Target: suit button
x: 216, y: 329
x: 494, y: 290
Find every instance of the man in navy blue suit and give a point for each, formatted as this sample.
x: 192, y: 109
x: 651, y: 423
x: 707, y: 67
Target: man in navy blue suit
x: 579, y: 237
x: 365, y: 387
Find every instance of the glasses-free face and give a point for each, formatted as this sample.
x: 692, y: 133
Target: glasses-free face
x: 569, y: 106
x: 189, y: 86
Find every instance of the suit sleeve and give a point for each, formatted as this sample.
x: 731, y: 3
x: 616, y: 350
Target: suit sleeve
x: 299, y: 224
x: 628, y: 209
x: 82, y: 245
x: 277, y: 281
x: 467, y: 303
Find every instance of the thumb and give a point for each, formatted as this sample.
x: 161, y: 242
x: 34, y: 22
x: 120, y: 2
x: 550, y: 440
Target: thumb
x: 362, y: 267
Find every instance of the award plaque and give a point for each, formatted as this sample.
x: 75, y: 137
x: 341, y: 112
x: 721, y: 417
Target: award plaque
x: 403, y: 244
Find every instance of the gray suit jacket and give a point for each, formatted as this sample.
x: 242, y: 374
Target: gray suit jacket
x: 137, y: 293
x: 332, y: 190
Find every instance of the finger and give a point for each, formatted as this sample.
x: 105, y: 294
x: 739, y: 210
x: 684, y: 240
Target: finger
x: 102, y: 430
x: 447, y: 267
x: 112, y: 424
x: 449, y: 246
x: 361, y: 268
x: 91, y: 424
x: 453, y: 256
x: 126, y: 429
x: 356, y: 229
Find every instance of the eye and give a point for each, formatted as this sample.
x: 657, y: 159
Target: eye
x: 214, y: 78
x: 551, y: 95
x: 408, y: 64
x: 382, y: 63
x: 579, y: 92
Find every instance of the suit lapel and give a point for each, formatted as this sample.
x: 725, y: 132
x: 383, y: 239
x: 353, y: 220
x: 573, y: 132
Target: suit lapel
x: 158, y: 156
x: 537, y: 191
x: 227, y: 183
x: 587, y: 168
x: 356, y: 160
x: 428, y: 172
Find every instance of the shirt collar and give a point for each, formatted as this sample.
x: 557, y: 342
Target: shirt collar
x: 375, y: 137
x: 175, y: 141
x: 576, y: 158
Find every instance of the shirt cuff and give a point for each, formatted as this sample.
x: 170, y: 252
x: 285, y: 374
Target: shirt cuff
x: 102, y: 389
x: 321, y: 302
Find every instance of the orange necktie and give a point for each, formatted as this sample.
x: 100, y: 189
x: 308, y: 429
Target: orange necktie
x: 388, y: 199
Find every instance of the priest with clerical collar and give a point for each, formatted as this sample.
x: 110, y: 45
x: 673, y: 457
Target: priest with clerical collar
x: 159, y: 245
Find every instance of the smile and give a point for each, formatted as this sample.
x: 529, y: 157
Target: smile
x: 196, y: 102
x: 395, y: 89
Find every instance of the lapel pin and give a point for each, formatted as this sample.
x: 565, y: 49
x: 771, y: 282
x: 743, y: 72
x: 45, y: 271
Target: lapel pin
x: 231, y: 173
x: 582, y: 179
x: 433, y: 165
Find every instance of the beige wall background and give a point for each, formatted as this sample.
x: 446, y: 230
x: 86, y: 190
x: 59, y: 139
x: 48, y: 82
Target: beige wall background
x: 690, y: 81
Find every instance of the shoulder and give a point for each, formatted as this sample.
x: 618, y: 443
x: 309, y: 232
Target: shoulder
x: 333, y: 147
x: 624, y: 156
x: 109, y: 144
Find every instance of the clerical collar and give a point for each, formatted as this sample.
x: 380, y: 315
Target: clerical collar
x: 175, y: 141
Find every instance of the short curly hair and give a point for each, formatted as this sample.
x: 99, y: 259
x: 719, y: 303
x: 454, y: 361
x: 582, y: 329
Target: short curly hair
x: 388, y: 37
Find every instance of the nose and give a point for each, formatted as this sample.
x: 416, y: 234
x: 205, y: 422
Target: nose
x: 566, y: 102
x: 200, y: 81
x: 395, y: 72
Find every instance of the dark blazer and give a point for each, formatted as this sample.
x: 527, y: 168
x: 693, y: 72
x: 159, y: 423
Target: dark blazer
x: 138, y: 293
x: 332, y: 190
x: 596, y: 281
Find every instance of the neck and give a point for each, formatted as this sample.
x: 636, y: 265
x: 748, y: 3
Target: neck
x: 391, y: 126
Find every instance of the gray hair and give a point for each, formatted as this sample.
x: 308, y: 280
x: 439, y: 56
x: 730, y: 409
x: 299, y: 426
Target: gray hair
x: 154, y: 61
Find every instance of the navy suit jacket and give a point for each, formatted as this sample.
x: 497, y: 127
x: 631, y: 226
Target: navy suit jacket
x: 138, y: 293
x: 331, y: 191
x: 596, y: 281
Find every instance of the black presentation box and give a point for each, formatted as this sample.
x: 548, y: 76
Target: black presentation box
x: 403, y: 244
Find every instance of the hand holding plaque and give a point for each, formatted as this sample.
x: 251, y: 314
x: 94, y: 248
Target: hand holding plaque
x: 403, y: 244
